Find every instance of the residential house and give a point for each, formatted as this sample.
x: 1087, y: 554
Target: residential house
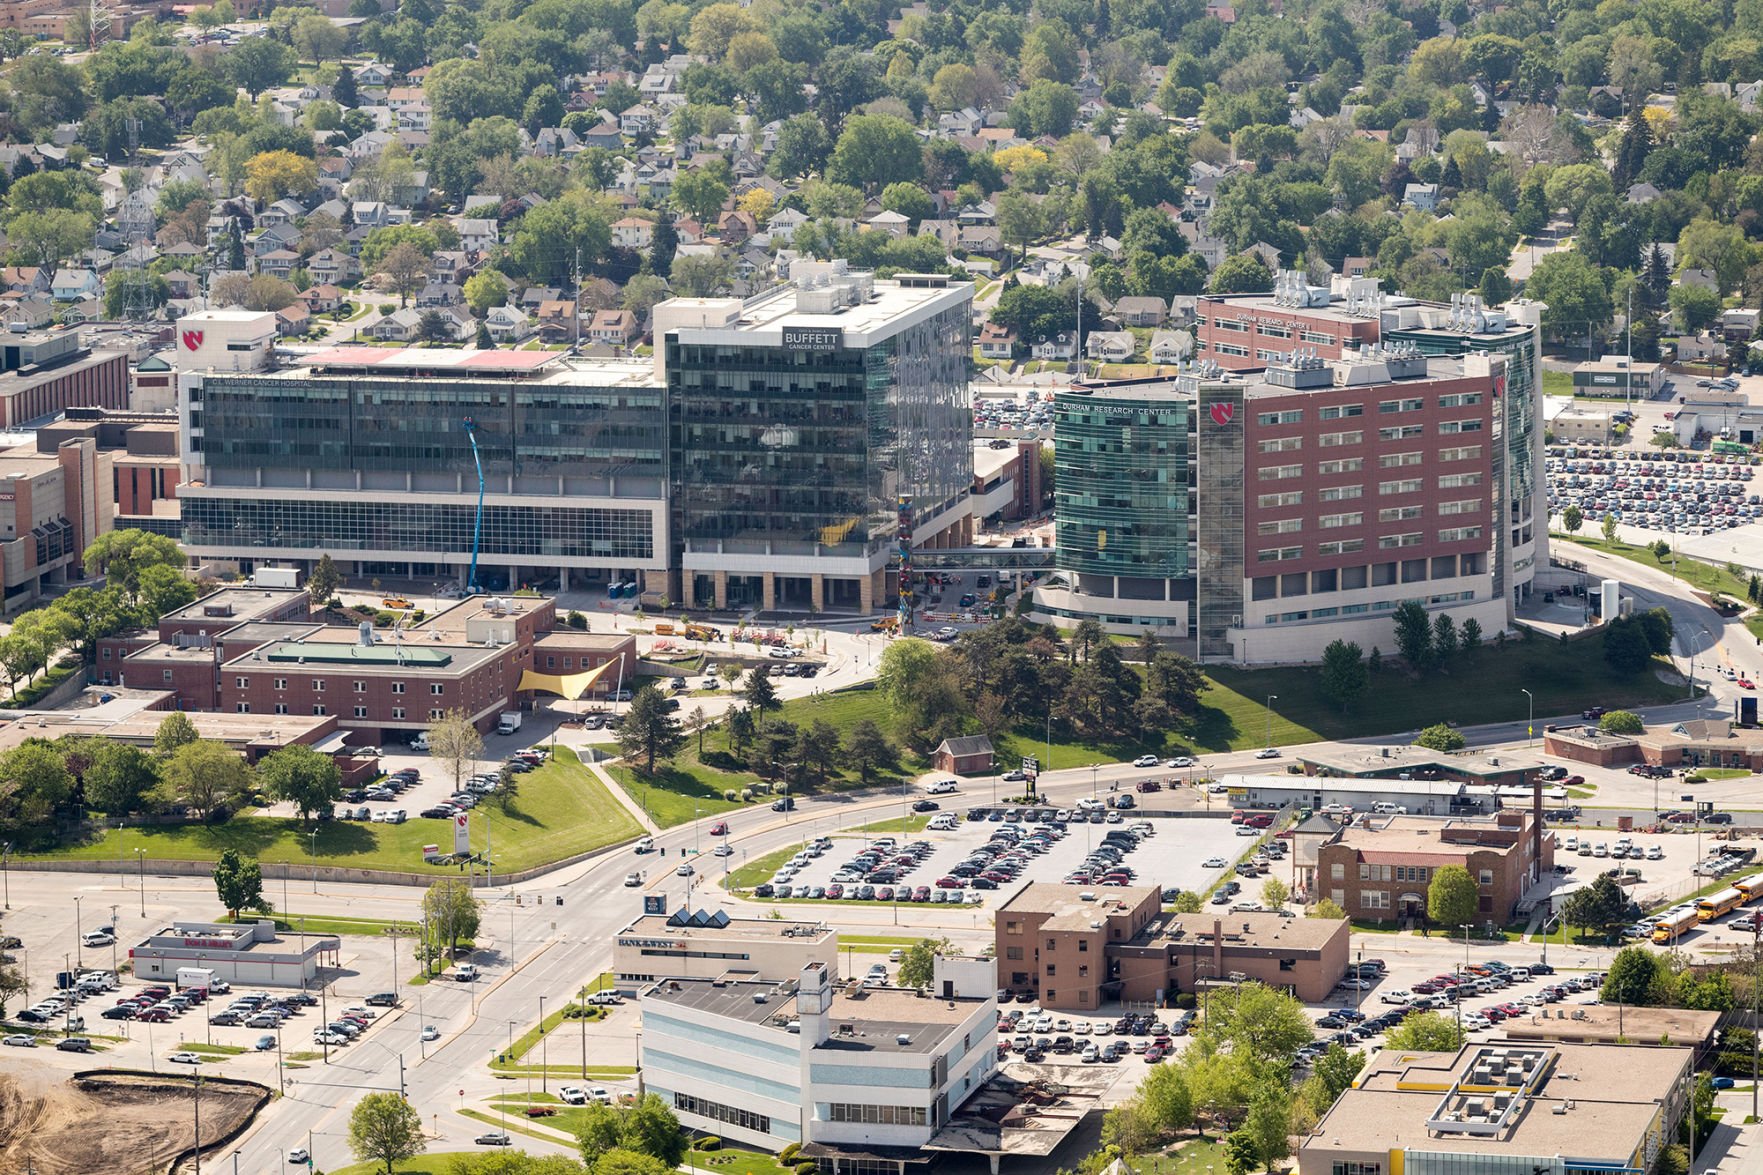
x: 400, y: 326
x: 275, y: 237
x: 1642, y: 193
x: 476, y: 234
x: 438, y: 293
x: 453, y: 265
x: 323, y: 299
x: 73, y: 285
x: 633, y: 232
x: 996, y: 342
x: 282, y: 212
x: 181, y: 283
x: 1356, y: 266
x: 737, y: 226
x: 552, y: 142
x: 1110, y: 346
x: 640, y: 119
x: 1738, y: 325
x: 1706, y: 278
x: 508, y: 324
x: 605, y: 136
x: 1136, y: 310
x: 1060, y: 347
x: 22, y: 313
x: 558, y: 320
x: 373, y: 76
x: 278, y: 262
x: 783, y: 225
x: 891, y: 223
x: 981, y: 238
x: 370, y: 214
x: 135, y: 216
x: 333, y: 267
x: 616, y: 328
x: 533, y: 297
x: 1421, y: 197
x: 411, y: 190
x: 1171, y: 346
x: 688, y: 231
x: 1703, y: 348
x: 25, y: 279
x: 293, y: 319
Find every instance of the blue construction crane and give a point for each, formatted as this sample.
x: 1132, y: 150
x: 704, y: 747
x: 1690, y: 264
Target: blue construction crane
x: 477, y: 526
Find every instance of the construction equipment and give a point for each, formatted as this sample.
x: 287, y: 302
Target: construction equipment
x: 702, y: 632
x: 885, y: 624
x: 477, y: 526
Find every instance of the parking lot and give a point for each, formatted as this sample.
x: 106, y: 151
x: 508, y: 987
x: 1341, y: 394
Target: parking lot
x: 1178, y: 854
x: 1660, y: 490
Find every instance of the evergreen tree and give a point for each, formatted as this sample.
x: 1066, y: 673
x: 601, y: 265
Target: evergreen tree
x: 344, y: 93
x: 1631, y: 152
x: 484, y: 342
x: 235, y: 248
x: 1656, y: 277
x: 662, y: 246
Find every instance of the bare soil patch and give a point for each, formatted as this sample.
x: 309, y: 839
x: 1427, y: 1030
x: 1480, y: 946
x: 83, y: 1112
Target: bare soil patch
x: 118, y: 1124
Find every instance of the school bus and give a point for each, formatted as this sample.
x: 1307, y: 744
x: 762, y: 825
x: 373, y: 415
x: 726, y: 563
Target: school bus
x: 1718, y: 905
x: 1751, y: 887
x: 1669, y: 930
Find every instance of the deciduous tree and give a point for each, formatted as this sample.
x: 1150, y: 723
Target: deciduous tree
x: 1452, y: 898
x: 238, y: 883
x: 301, y: 776
x: 385, y: 1129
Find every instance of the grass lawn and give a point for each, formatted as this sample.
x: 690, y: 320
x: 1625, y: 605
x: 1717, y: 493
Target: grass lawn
x: 734, y: 1161
x: 212, y: 1050
x: 1712, y: 773
x: 759, y: 868
x: 315, y: 924
x: 1707, y: 576
x: 899, y: 824
x: 529, y: 1039
x: 561, y: 810
x: 1198, y: 1156
x: 674, y: 791
x: 515, y: 1127
x: 1557, y: 383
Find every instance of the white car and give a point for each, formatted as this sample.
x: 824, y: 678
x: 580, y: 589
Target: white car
x: 1267, y: 753
x: 185, y: 1059
x: 684, y: 870
x: 430, y: 1032
x: 1353, y: 984
x: 1179, y: 761
x: 21, y: 1040
x: 1145, y: 761
x: 1214, y: 863
x: 1400, y: 996
x: 1655, y: 853
x: 298, y: 1155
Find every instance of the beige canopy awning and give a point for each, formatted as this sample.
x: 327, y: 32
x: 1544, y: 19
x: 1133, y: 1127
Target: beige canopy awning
x: 564, y: 685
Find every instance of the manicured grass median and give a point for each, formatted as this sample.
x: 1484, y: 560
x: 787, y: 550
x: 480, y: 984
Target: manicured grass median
x: 1707, y: 576
x: 561, y: 810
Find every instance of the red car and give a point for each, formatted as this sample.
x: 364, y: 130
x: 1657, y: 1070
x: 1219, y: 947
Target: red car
x: 1746, y: 683
x: 720, y: 829
x: 1153, y: 1054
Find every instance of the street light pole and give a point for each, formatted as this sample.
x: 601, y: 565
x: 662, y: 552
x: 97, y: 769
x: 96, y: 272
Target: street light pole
x: 1271, y: 698
x: 1530, y: 727
x: 544, y: 1051
x: 141, y: 870
x: 78, y: 936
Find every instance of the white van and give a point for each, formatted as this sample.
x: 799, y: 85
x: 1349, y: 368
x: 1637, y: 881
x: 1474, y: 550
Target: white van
x: 943, y: 822
x: 941, y: 787
x: 420, y: 742
x: 1386, y: 808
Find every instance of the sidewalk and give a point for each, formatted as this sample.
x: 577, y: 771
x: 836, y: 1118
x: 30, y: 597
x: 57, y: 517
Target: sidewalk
x: 623, y: 797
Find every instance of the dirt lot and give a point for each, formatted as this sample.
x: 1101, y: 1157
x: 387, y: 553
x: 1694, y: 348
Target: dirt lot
x: 124, y: 1125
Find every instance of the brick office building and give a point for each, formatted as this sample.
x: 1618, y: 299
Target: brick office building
x: 1079, y: 950
x: 1380, y: 869
x: 1263, y: 514
x: 258, y: 651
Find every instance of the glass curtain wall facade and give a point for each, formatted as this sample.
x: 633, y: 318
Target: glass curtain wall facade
x: 377, y: 458
x: 537, y: 437
x: 1121, y: 478
x: 1219, y: 492
x: 806, y: 452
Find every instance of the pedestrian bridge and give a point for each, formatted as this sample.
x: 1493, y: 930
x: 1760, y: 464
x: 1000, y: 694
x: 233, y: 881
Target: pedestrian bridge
x: 962, y: 559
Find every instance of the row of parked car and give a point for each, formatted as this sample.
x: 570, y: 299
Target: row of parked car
x: 1645, y: 489
x: 1033, y: 1034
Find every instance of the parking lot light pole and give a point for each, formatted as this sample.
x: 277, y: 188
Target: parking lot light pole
x: 6, y: 870
x: 1530, y: 727
x: 141, y: 871
x: 78, y: 934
